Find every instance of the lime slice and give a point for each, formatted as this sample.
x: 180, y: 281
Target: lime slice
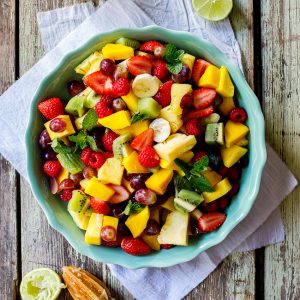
x: 212, y: 10
x: 41, y: 284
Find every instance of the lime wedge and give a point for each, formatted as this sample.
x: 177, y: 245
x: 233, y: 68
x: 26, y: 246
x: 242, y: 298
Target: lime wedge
x: 41, y: 284
x: 212, y: 10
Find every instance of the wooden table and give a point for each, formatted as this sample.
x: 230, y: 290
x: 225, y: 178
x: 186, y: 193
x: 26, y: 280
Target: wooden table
x: 269, y: 36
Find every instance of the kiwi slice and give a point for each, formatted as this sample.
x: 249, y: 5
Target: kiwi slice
x: 91, y: 100
x: 214, y: 134
x: 75, y: 106
x: 149, y: 107
x: 190, y: 197
x: 128, y: 42
x: 118, y: 144
x: 79, y: 202
x: 71, y: 162
x: 183, y: 205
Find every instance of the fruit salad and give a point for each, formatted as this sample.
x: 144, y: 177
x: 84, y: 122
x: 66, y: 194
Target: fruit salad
x: 148, y: 150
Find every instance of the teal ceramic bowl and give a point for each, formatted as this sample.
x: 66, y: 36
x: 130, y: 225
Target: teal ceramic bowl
x: 54, y: 85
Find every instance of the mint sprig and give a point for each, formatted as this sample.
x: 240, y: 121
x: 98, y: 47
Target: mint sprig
x: 82, y: 140
x: 181, y: 183
x: 138, y: 117
x: 90, y: 120
x: 133, y: 208
x: 60, y: 147
x: 173, y: 57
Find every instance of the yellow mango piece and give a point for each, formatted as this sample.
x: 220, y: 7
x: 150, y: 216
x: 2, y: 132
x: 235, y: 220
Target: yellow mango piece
x: 232, y: 155
x: 111, y: 171
x: 117, y: 51
x: 158, y: 182
x: 68, y: 131
x: 210, y: 77
x: 99, y: 190
x: 221, y: 189
x: 138, y: 222
x: 169, y: 204
x: 175, y: 145
x: 175, y: 120
x: 234, y: 132
x: 83, y: 183
x: 132, y: 164
x: 152, y: 241
x: 118, y: 120
x: 189, y: 61
x: 225, y: 87
x: 134, y: 129
x: 84, y: 67
x: 126, y: 183
x: 111, y: 221
x: 178, y: 90
x: 154, y: 213
x: 63, y: 174
x: 226, y: 106
x: 93, y: 231
x: 212, y: 177
x: 131, y: 101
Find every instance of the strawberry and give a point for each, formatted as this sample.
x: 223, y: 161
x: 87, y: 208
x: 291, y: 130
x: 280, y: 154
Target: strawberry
x: 99, y: 206
x: 142, y: 140
x: 150, y: 46
x: 139, y: 65
x: 51, y: 108
x: 121, y: 87
x: 211, y: 221
x: 203, y: 97
x: 102, y: 109
x: 66, y: 195
x: 135, y: 246
x: 52, y: 168
x: 96, y: 160
x: 163, y: 96
x: 201, y: 113
x: 238, y: 115
x: 108, y: 139
x: 160, y: 70
x: 199, y: 68
x: 95, y: 81
x: 166, y: 246
x: 186, y: 101
x: 85, y: 155
x: 192, y: 127
x: 108, y: 87
x: 121, y: 194
x: 149, y: 158
x: 199, y: 155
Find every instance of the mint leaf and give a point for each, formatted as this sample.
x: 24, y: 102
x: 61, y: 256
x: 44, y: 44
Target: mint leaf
x: 183, y: 166
x: 200, y: 165
x: 91, y: 142
x: 181, y: 183
x: 133, y: 208
x: 170, y: 53
x: 173, y: 58
x: 174, y: 68
x: 200, y: 184
x: 60, y: 147
x: 90, y: 120
x: 83, y: 140
x: 138, y: 117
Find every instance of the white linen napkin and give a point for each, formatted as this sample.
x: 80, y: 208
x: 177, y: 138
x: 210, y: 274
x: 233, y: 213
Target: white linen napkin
x: 262, y: 226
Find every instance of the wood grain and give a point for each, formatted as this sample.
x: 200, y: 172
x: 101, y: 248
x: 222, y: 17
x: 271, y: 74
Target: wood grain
x: 8, y: 177
x: 281, y: 86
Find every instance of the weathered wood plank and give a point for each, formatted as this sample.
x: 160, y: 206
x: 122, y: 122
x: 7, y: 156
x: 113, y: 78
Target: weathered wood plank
x: 281, y: 86
x: 235, y: 277
x: 8, y: 177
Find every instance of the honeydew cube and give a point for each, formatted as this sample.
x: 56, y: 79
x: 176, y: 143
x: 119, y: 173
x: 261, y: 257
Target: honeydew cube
x: 210, y: 78
x: 111, y: 171
x: 134, y: 129
x: 131, y: 101
x: 178, y: 90
x: 169, y: 204
x: 158, y: 182
x: 226, y: 106
x: 225, y: 87
x: 234, y: 132
x: 99, y: 190
x: 68, y: 131
x: 84, y: 66
x: 111, y: 221
x: 93, y: 231
x: 138, y: 222
x: 117, y: 51
x: 189, y: 61
x: 151, y: 241
x: 118, y: 120
x: 221, y: 189
x: 175, y: 120
x: 232, y: 155
x: 132, y: 164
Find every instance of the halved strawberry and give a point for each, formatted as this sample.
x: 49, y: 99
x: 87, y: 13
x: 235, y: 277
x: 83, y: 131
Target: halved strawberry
x: 201, y: 113
x: 163, y: 96
x: 150, y: 46
x: 95, y: 81
x: 160, y: 70
x: 203, y: 97
x: 199, y: 67
x: 135, y: 246
x: 139, y: 65
x: 211, y: 221
x: 108, y: 88
x: 142, y: 140
x: 121, y: 194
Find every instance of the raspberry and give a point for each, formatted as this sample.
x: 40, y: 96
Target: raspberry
x: 238, y: 115
x: 121, y: 87
x: 108, y: 155
x: 192, y: 127
x: 223, y: 171
x: 234, y: 190
x: 52, y: 168
x: 163, y: 96
x: 135, y: 246
x: 233, y: 174
x: 102, y: 109
x: 51, y: 108
x: 199, y: 155
x: 166, y: 246
x: 106, y: 99
x: 186, y: 101
x: 99, y: 206
x: 85, y: 155
x: 149, y: 158
x: 96, y: 160
x: 160, y: 70
x: 108, y: 139
x: 66, y: 195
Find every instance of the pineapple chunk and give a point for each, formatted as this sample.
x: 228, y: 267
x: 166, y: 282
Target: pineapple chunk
x: 93, y: 231
x: 132, y: 164
x: 117, y: 51
x: 175, y: 145
x: 210, y: 78
x: 234, y: 132
x: 175, y: 121
x: 118, y: 120
x: 99, y: 190
x: 68, y: 131
x: 138, y: 222
x: 134, y: 129
x: 175, y: 229
x: 152, y: 241
x: 63, y: 174
x: 232, y: 155
x: 111, y: 171
x: 84, y: 67
x: 80, y: 219
x: 221, y: 189
x: 225, y: 87
x: 178, y: 90
x: 111, y: 221
x: 131, y: 101
x: 158, y: 182
x: 189, y: 61
x: 226, y: 106
x: 169, y: 204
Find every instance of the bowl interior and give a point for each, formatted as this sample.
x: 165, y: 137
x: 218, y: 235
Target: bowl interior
x: 54, y: 85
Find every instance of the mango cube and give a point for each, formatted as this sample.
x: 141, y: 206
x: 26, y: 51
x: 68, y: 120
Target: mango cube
x: 221, y: 189
x: 232, y: 155
x: 158, y: 182
x: 93, y: 231
x: 234, y: 132
x: 84, y: 67
x: 226, y: 106
x: 117, y: 51
x: 118, y: 120
x: 178, y: 90
x: 63, y: 174
x: 111, y: 171
x: 169, y: 204
x: 111, y: 221
x: 132, y: 164
x: 131, y: 101
x: 189, y: 61
x: 68, y: 131
x: 83, y: 183
x: 99, y: 190
x: 210, y: 78
x: 175, y: 120
x: 225, y: 87
x: 212, y: 177
x: 152, y: 241
x: 134, y: 129
x: 138, y: 222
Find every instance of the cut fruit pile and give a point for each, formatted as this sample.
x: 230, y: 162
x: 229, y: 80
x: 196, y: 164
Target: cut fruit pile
x: 149, y: 149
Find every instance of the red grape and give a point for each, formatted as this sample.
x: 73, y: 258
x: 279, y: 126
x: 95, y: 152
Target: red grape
x: 117, y: 210
x: 182, y: 76
x: 152, y: 228
x: 58, y: 125
x: 107, y: 66
x: 75, y: 87
x: 76, y: 178
x: 108, y: 233
x: 137, y: 181
x: 118, y: 104
x: 44, y: 140
x: 145, y: 196
x: 50, y: 155
x: 67, y: 184
x: 89, y: 172
x: 121, y: 71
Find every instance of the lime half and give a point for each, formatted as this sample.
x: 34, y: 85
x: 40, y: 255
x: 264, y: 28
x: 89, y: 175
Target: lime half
x: 213, y: 10
x: 41, y: 284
